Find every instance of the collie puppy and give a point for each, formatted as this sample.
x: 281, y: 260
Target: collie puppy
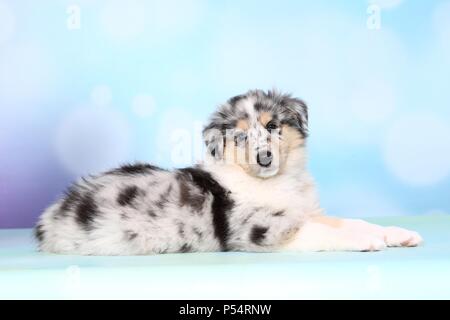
x: 252, y: 193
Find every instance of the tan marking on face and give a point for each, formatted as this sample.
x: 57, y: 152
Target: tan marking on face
x: 281, y: 146
x: 289, y: 235
x: 291, y: 137
x: 265, y: 117
x: 290, y: 140
x: 242, y: 124
x: 329, y: 221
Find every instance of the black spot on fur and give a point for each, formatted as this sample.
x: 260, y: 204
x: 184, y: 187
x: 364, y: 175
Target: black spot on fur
x: 72, y: 198
x: 75, y: 195
x: 189, y: 196
x: 258, y: 106
x: 221, y: 202
x: 130, y: 235
x: 185, y: 248
x: 197, y: 232
x: 278, y: 213
x: 135, y: 169
x: 161, y: 202
x: 258, y: 234
x: 181, y: 229
x: 127, y: 195
x: 39, y: 232
x: 163, y: 199
x: 251, y: 214
x: 232, y: 101
x: 151, y: 213
x: 86, y: 211
x: 161, y: 251
x: 247, y: 218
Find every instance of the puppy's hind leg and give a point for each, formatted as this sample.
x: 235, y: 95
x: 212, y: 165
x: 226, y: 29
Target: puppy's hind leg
x: 332, y: 234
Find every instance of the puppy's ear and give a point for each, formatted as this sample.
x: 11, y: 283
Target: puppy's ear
x: 214, y: 141
x: 299, y: 110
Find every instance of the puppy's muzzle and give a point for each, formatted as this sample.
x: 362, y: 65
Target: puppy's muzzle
x: 264, y: 158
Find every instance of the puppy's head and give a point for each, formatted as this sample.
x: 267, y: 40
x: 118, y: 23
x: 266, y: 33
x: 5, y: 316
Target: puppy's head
x: 257, y: 131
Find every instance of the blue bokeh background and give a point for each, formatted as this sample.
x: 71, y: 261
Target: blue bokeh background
x: 86, y: 85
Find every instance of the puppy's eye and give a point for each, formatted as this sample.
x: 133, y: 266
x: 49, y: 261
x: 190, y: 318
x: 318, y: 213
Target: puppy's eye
x: 272, y: 126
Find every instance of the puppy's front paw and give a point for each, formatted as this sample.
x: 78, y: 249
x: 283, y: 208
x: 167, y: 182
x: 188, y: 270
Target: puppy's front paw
x: 370, y: 243
x: 399, y: 237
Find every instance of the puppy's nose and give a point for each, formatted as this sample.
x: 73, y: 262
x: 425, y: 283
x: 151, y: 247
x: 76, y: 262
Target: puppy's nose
x: 264, y: 158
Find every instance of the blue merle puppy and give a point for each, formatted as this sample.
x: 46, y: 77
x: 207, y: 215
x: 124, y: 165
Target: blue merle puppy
x: 253, y: 193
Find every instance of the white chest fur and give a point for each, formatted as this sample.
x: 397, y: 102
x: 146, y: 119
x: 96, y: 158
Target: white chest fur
x: 294, y: 193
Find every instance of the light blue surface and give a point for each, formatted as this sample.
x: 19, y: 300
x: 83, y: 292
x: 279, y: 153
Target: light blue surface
x: 422, y: 272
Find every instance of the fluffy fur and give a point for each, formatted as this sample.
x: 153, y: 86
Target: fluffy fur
x: 253, y: 193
